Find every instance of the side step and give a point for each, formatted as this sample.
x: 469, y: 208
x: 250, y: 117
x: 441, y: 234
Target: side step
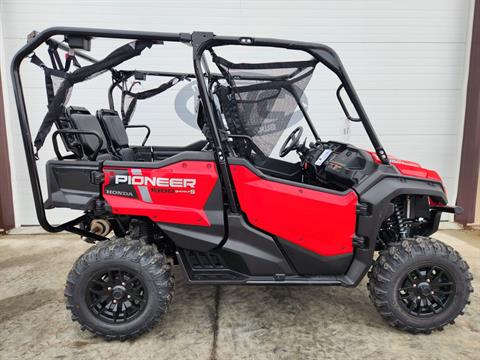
x: 209, y: 268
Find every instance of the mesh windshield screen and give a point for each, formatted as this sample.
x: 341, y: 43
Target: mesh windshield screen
x: 266, y: 96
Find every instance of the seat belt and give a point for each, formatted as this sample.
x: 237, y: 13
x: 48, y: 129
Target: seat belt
x: 54, y: 56
x: 49, y: 73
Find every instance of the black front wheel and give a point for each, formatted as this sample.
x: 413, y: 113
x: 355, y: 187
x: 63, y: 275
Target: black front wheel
x: 420, y: 285
x: 119, y: 289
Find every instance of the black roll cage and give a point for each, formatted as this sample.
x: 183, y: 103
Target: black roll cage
x: 200, y: 42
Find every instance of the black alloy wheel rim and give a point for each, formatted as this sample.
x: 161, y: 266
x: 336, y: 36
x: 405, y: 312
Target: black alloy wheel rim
x: 116, y: 296
x: 426, y: 291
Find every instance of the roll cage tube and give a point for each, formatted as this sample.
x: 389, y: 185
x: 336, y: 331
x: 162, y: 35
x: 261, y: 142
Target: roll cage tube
x: 200, y: 42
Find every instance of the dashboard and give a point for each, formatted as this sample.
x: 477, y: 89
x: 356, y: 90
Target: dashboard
x: 337, y: 164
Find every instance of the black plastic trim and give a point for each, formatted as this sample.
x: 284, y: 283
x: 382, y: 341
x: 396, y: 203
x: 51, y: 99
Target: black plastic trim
x: 201, y: 238
x: 381, y: 190
x: 228, y: 276
x: 69, y: 183
x: 258, y: 249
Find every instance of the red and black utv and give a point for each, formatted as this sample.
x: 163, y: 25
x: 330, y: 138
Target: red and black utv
x: 226, y: 209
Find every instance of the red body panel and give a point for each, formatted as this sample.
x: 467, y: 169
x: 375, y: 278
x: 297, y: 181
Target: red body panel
x: 181, y: 197
x: 409, y: 168
x: 318, y: 221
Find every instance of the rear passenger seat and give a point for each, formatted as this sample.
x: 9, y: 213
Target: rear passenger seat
x: 117, y: 137
x: 81, y: 119
x: 109, y: 126
x: 116, y: 134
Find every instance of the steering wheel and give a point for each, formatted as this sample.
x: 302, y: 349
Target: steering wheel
x: 291, y: 143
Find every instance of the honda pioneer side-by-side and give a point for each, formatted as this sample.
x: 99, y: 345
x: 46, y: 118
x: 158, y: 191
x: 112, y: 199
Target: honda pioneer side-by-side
x: 232, y: 208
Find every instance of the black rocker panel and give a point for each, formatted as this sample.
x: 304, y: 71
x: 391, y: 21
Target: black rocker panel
x: 309, y: 263
x: 259, y: 252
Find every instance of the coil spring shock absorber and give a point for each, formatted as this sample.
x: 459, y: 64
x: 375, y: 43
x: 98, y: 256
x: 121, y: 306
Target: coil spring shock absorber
x: 399, y: 214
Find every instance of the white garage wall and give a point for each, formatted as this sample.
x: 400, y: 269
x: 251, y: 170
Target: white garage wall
x: 406, y: 58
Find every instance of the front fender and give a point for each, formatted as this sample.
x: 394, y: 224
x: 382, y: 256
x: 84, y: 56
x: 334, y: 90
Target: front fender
x: 375, y: 206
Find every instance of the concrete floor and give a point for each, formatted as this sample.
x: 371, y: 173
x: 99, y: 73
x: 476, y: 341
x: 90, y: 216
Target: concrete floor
x: 248, y: 322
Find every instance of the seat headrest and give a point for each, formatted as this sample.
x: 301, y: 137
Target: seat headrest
x: 76, y: 110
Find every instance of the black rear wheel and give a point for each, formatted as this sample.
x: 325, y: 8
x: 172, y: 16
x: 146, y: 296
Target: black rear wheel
x: 420, y: 285
x: 119, y: 289
x: 117, y: 295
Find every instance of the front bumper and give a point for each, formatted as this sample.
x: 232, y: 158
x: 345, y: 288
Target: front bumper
x: 448, y: 209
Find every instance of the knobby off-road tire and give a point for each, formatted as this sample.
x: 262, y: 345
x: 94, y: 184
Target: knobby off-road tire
x: 397, y: 289
x: 124, y: 271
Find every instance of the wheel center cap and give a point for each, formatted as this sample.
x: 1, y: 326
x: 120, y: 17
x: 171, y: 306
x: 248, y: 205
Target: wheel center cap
x: 118, y: 292
x: 424, y: 288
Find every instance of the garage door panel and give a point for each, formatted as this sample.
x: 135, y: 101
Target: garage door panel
x: 326, y: 21
x: 395, y: 112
